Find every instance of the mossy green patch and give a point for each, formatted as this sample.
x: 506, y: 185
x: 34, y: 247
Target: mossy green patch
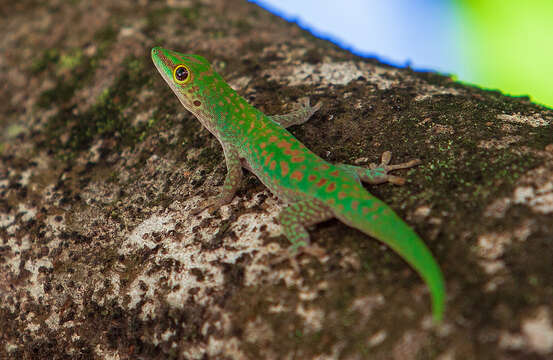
x: 71, y: 60
x: 105, y: 118
x: 81, y: 68
x: 44, y: 61
x: 186, y: 16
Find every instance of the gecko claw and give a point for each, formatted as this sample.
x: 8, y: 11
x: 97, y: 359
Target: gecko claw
x: 210, y: 205
x: 385, y: 167
x: 293, y: 253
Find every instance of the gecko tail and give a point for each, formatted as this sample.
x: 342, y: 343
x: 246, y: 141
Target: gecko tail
x: 376, y: 219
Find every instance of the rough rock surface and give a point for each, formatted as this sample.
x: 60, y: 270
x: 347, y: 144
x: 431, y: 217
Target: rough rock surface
x: 100, y: 165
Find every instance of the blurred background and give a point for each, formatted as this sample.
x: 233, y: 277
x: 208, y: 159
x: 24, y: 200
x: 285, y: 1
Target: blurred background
x: 497, y: 44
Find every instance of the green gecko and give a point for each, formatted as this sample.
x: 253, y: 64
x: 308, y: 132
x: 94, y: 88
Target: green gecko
x: 314, y: 189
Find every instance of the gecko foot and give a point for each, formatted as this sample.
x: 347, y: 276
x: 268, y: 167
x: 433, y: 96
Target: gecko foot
x: 293, y: 252
x: 385, y: 165
x: 210, y: 205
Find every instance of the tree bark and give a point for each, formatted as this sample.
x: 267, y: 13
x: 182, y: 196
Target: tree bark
x: 100, y: 167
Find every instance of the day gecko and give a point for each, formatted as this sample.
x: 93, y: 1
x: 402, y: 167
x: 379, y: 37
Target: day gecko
x: 314, y: 189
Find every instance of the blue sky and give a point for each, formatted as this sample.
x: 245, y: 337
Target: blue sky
x: 419, y: 32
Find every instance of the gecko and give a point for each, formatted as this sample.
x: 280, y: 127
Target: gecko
x: 314, y: 189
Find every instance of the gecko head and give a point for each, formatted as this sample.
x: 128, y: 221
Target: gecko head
x: 189, y: 76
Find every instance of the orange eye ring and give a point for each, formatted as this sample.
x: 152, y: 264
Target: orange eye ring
x: 181, y: 74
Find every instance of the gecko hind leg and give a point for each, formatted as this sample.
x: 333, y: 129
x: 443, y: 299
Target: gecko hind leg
x: 378, y: 174
x: 293, y: 221
x: 299, y: 116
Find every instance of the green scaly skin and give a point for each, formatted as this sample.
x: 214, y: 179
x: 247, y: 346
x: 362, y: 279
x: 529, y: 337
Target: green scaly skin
x: 314, y: 189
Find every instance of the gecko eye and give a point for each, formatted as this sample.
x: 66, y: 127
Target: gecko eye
x: 181, y: 74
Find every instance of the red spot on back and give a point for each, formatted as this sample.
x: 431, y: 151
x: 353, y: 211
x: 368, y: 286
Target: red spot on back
x: 273, y: 139
x: 268, y: 159
x: 342, y: 195
x: 264, y: 152
x: 297, y: 159
x: 263, y: 145
x: 335, y: 173
x: 190, y: 91
x: 284, y: 168
x: 273, y: 165
x: 311, y: 177
x: 296, y: 175
x: 331, y: 187
x: 284, y: 144
x: 321, y: 182
x: 354, y: 204
x: 365, y: 210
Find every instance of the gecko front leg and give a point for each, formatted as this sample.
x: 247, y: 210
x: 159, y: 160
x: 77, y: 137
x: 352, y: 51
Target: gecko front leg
x: 231, y: 184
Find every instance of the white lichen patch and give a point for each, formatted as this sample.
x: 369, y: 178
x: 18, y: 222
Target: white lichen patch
x: 408, y: 345
x: 502, y: 143
x: 534, y: 190
x: 53, y: 320
x: 230, y: 347
x: 427, y: 91
x: 540, y: 199
x: 137, y: 292
x: 312, y: 316
x: 139, y: 236
x: 27, y: 212
x: 377, y: 338
x: 258, y: 331
x: 535, y: 121
x: 498, y: 208
x: 490, y: 247
x: 366, y: 305
x: 538, y: 331
x: 25, y: 176
x: 35, y: 287
x: 17, y: 247
x: 510, y: 341
x: 195, y: 273
x: 333, y: 73
x: 6, y: 220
